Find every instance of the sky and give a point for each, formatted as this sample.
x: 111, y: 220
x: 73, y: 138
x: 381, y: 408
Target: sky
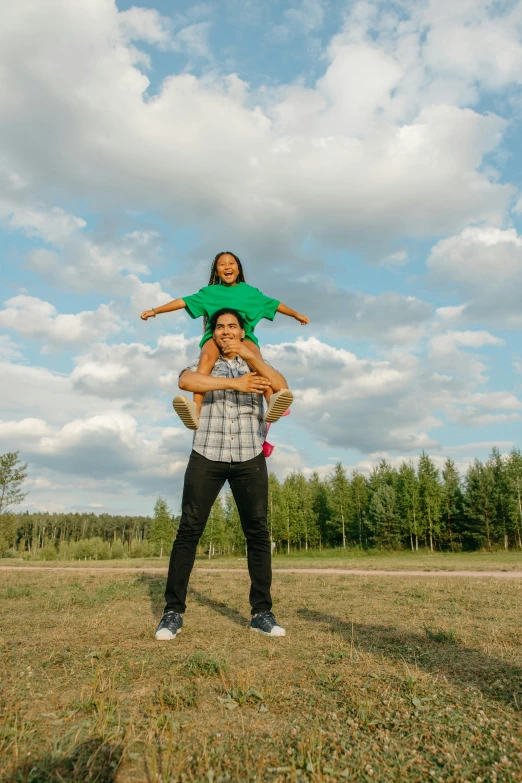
x: 364, y: 161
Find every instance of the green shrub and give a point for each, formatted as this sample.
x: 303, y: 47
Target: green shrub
x: 65, y: 550
x: 117, y: 550
x: 140, y: 549
x: 47, y: 552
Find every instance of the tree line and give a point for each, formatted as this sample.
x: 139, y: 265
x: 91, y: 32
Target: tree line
x: 394, y: 507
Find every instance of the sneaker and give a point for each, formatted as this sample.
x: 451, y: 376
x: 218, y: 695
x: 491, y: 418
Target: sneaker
x: 278, y: 405
x: 187, y: 412
x: 170, y: 625
x: 265, y: 623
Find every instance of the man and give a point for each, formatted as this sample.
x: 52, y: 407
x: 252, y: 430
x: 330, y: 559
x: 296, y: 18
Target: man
x: 228, y: 446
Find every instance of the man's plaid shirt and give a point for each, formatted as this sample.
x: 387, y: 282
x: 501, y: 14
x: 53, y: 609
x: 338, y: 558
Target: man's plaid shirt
x: 231, y: 426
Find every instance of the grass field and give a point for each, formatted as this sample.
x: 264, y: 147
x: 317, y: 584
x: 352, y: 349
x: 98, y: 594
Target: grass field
x: 379, y: 679
x: 328, y: 558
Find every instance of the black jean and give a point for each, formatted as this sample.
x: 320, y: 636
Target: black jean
x: 204, y: 479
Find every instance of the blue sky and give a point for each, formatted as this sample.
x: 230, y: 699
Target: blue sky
x: 362, y: 158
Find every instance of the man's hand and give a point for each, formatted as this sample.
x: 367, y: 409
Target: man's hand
x: 147, y: 314
x: 235, y: 348
x: 251, y: 382
x: 303, y: 319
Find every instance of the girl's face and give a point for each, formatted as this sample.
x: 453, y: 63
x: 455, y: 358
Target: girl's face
x: 227, y: 269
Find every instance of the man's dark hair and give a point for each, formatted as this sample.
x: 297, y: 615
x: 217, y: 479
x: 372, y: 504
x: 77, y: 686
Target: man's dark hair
x: 226, y: 311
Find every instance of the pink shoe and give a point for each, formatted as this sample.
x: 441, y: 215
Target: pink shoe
x: 267, y: 448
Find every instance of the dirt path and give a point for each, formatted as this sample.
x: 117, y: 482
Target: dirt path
x: 322, y: 571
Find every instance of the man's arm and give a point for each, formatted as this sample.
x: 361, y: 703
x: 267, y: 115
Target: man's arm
x: 249, y: 383
x: 255, y: 361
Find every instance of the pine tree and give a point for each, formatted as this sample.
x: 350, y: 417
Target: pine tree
x: 340, y: 500
x: 235, y: 536
x: 278, y: 517
x: 501, y: 492
x: 12, y: 476
x: 359, y: 498
x: 384, y: 517
x: 479, y: 504
x: 161, y: 533
x: 409, y: 502
x: 430, y: 497
x: 320, y: 507
x: 383, y: 511
x: 214, y: 535
x: 514, y: 472
x: 451, y: 501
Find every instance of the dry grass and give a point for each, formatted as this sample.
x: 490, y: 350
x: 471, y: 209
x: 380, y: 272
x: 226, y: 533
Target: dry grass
x: 328, y: 558
x: 383, y: 679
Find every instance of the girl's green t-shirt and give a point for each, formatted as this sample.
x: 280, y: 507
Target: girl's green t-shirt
x: 250, y: 302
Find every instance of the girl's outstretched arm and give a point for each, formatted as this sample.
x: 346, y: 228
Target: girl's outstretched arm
x: 303, y: 319
x: 176, y: 304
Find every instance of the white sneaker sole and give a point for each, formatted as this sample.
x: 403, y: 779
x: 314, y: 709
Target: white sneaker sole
x: 186, y: 410
x: 165, y: 635
x: 278, y: 404
x: 274, y: 632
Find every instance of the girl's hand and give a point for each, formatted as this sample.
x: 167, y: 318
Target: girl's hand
x: 303, y: 319
x: 147, y: 314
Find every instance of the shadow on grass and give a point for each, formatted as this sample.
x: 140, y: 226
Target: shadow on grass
x: 496, y: 679
x: 219, y: 607
x: 156, y: 589
x: 94, y: 761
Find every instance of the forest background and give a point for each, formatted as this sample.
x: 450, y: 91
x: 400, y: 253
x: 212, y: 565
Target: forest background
x: 392, y: 508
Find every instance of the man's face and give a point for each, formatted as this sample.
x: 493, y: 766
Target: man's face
x: 227, y: 329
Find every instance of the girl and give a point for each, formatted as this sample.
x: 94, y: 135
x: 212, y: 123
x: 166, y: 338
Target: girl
x: 227, y: 288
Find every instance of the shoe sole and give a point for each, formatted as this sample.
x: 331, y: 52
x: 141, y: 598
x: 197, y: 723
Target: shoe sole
x: 276, y: 408
x: 167, y: 638
x: 272, y: 635
x: 183, y: 409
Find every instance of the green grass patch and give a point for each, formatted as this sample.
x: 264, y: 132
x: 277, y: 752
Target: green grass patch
x: 379, y: 679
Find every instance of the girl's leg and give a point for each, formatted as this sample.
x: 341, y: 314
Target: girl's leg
x: 207, y: 359
x: 255, y: 349
x: 278, y: 403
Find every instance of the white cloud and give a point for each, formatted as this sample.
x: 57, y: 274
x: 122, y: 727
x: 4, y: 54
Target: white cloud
x: 9, y: 350
x: 446, y: 354
x: 449, y: 341
x: 18, y: 210
x: 107, y: 448
x: 145, y: 24
x: 392, y: 404
x: 485, y: 265
x: 193, y: 40
x: 391, y: 141
x: 35, y: 319
x: 452, y: 313
x: 133, y: 369
x: 399, y: 258
x: 349, y: 161
x: 300, y: 19
x: 390, y: 318
x: 356, y: 403
x: 44, y: 394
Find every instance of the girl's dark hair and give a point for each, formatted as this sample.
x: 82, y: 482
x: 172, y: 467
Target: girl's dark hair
x: 226, y: 311
x: 214, y: 279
